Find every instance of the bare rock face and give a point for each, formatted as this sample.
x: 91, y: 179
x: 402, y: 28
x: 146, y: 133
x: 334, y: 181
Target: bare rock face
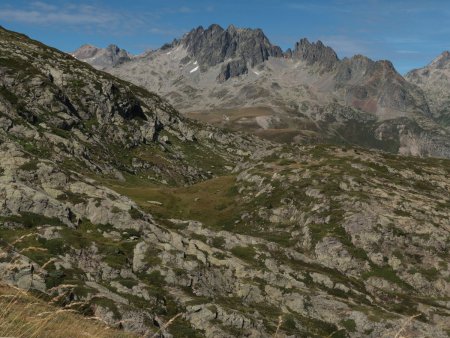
x: 232, y: 69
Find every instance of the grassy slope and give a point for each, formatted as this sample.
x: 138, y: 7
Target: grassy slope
x: 211, y: 202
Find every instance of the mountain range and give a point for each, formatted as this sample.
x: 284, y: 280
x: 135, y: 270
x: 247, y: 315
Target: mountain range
x: 237, y: 79
x: 116, y: 206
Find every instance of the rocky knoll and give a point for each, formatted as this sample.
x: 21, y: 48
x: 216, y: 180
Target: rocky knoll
x: 102, y: 57
x: 115, y: 205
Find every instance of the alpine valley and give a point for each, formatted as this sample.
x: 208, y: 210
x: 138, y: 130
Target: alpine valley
x: 222, y: 187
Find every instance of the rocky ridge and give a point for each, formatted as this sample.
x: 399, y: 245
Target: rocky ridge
x: 120, y: 207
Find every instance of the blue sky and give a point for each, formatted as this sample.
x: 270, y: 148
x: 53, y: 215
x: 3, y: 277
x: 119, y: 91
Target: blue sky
x: 409, y: 33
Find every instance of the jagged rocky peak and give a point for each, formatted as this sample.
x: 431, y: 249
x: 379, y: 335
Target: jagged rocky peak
x: 434, y: 79
x: 215, y: 45
x: 315, y: 52
x: 432, y: 71
x: 442, y: 61
x: 102, y: 58
x: 115, y: 50
x: 440, y: 64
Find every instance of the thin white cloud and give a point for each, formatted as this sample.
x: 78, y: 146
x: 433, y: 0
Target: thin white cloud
x: 397, y: 40
x: 88, y: 18
x: 34, y: 17
x: 318, y: 7
x: 185, y: 9
x: 44, y: 14
x: 43, y: 6
x: 345, y: 46
x: 96, y: 19
x: 166, y: 31
x: 407, y: 52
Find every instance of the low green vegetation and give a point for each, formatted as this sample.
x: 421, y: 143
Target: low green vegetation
x: 180, y: 328
x: 246, y: 253
x: 31, y: 165
x: 349, y: 324
x: 31, y: 220
x: 387, y: 273
x: 211, y: 202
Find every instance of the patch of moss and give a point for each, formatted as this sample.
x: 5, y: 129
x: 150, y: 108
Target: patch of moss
x: 403, y: 213
x: 129, y: 283
x: 246, y: 253
x: 155, y: 278
x: 218, y: 242
x: 10, y: 96
x: 61, y: 133
x: 387, y: 273
x: 349, y: 324
x: 32, y: 220
x: 430, y: 274
x: 54, y: 278
x: 115, y: 255
x: 31, y: 165
x: 199, y: 237
x: 289, y: 325
x: 56, y: 246
x: 135, y: 214
x: 74, y: 198
x: 285, y: 162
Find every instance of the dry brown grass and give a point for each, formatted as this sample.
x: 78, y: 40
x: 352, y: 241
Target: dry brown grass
x: 24, y: 315
x: 216, y: 117
x: 280, y: 322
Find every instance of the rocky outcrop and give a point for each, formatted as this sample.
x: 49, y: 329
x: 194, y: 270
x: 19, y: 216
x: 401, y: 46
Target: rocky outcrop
x: 315, y: 53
